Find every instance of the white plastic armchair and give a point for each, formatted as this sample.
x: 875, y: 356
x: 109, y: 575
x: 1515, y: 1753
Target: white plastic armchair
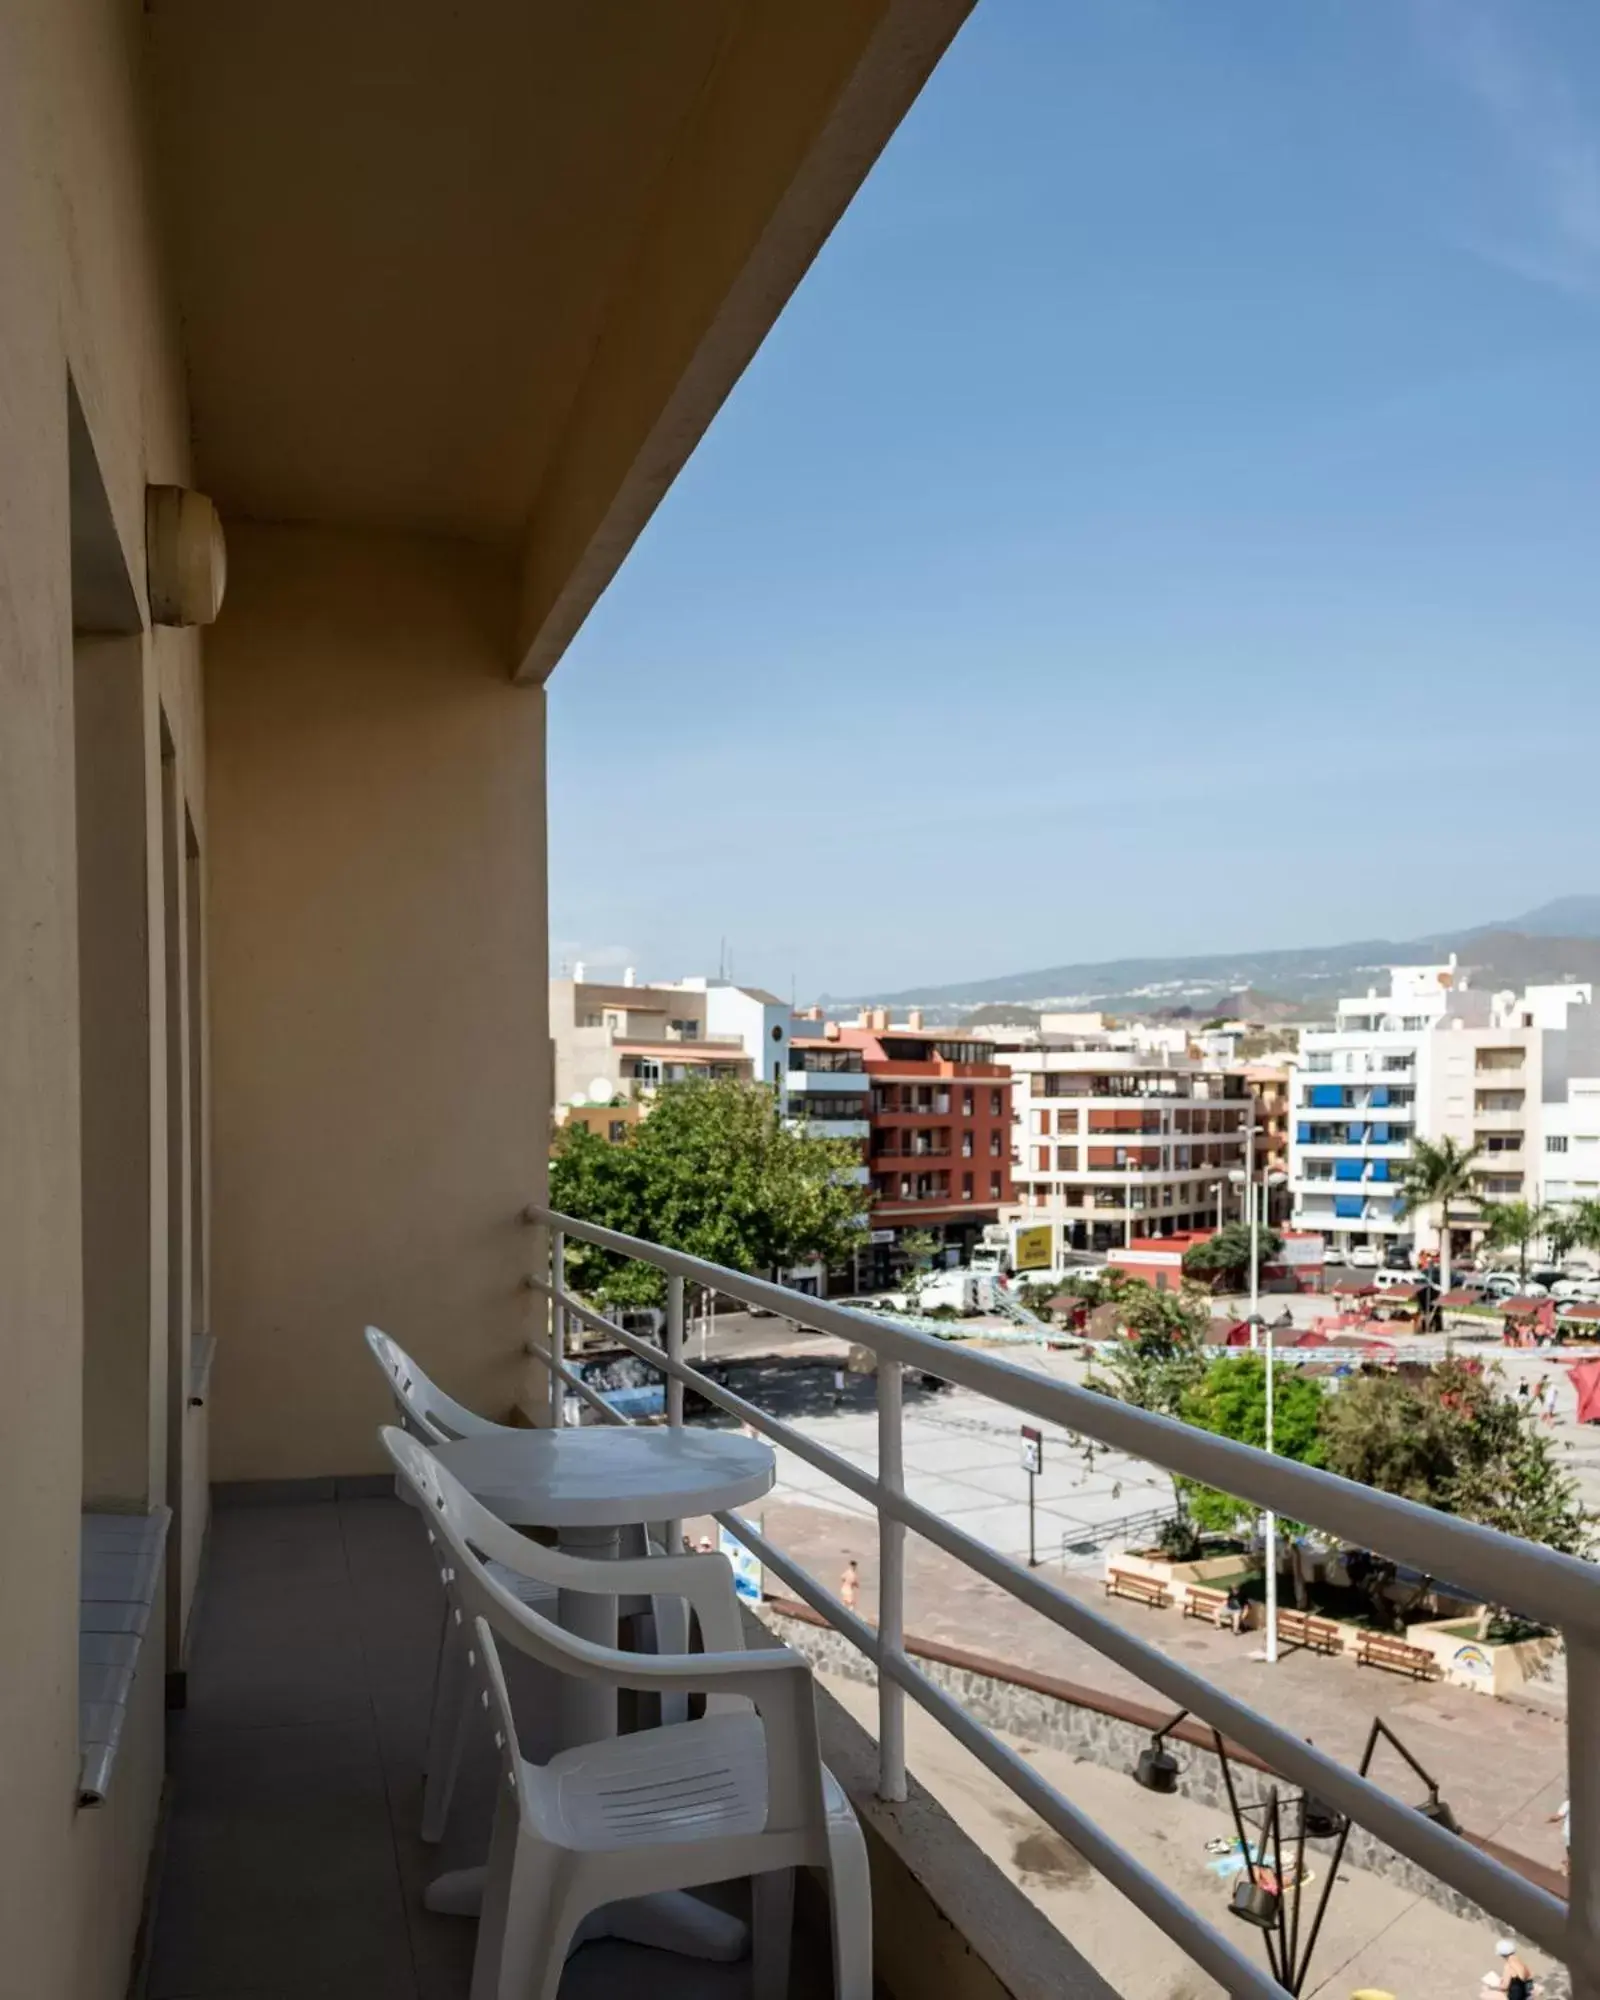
x: 427, y: 1413
x: 740, y: 1792
x: 421, y: 1405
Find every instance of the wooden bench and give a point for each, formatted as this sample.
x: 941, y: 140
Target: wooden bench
x: 1145, y: 1589
x: 1318, y: 1635
x: 1377, y: 1649
x: 1211, y: 1605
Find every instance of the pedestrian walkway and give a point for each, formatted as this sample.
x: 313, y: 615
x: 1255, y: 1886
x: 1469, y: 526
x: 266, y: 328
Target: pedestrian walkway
x: 1502, y: 1767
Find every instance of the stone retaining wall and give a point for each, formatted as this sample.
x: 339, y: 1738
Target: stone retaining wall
x: 1103, y: 1737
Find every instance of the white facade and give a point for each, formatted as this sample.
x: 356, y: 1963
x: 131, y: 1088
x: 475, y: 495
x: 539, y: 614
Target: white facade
x: 1110, y: 1143
x: 1569, y: 1159
x: 1436, y: 1058
x: 634, y: 1038
x: 757, y: 1019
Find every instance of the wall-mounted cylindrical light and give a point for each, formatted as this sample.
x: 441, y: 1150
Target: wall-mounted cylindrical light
x: 185, y: 556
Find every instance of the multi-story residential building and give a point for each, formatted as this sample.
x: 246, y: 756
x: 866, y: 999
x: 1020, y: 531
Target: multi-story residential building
x: 1357, y: 1089
x: 1270, y: 1085
x: 1570, y: 1156
x: 1111, y: 1143
x: 938, y: 1109
x: 625, y: 1041
x: 1438, y: 1058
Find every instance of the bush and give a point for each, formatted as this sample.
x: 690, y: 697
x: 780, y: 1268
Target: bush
x: 1179, y: 1540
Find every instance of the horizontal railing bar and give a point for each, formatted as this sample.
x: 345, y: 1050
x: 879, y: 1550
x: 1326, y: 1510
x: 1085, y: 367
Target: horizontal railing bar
x: 846, y: 1622
x: 1206, y: 1946
x: 862, y: 1484
x: 1221, y: 1959
x: 558, y: 1295
x: 1542, y: 1916
x: 577, y: 1384
x: 1509, y: 1896
x: 1560, y: 1590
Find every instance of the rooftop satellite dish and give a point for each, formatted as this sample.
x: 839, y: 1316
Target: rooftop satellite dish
x: 602, y: 1090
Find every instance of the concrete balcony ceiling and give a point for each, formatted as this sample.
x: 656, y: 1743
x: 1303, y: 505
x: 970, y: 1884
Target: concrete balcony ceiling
x: 488, y: 272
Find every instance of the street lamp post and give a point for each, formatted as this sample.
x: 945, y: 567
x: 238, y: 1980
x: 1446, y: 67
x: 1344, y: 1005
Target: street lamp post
x: 1257, y: 1200
x: 1269, y: 1520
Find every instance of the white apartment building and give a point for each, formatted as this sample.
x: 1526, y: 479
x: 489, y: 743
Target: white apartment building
x: 1436, y: 1057
x: 625, y: 1040
x: 1570, y: 1156
x: 1111, y: 1142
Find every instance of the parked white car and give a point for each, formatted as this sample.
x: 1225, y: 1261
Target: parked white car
x: 1365, y: 1257
x: 1386, y: 1278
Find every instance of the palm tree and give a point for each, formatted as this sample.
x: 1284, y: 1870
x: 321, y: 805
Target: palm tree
x: 1583, y: 1224
x: 1515, y: 1223
x: 1436, y: 1175
x: 1560, y: 1234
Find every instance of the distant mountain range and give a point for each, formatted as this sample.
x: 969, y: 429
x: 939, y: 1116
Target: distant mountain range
x: 1559, y: 940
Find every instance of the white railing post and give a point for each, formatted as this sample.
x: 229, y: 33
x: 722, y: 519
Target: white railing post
x: 1583, y: 1779
x: 674, y: 1349
x: 558, y: 1321
x: 1560, y: 1591
x: 891, y: 1591
x: 673, y: 1530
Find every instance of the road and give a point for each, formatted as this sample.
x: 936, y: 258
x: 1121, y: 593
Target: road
x: 1077, y: 1491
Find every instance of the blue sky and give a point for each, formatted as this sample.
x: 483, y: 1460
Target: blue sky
x: 1167, y: 518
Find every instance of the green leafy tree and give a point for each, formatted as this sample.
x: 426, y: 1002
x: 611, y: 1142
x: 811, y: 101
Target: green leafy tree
x: 1161, y: 1352
x: 1106, y: 1286
x: 713, y: 1171
x: 1223, y: 1259
x: 1452, y: 1440
x: 1513, y: 1225
x: 919, y: 1247
x: 1230, y: 1400
x: 1438, y: 1173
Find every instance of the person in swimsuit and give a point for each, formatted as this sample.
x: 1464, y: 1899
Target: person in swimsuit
x: 1516, y: 1980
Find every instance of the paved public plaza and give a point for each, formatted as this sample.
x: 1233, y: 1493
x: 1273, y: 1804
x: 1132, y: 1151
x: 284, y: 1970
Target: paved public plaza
x: 1501, y: 1763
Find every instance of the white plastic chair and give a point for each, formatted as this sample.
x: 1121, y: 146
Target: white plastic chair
x: 741, y: 1792
x: 427, y: 1413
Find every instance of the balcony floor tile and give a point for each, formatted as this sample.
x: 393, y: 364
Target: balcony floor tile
x: 292, y: 1869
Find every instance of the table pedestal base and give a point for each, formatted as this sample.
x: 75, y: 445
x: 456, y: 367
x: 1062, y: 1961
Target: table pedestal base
x: 671, y: 1921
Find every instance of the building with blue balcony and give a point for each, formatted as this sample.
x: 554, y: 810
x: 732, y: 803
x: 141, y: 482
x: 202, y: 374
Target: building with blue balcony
x: 1355, y: 1109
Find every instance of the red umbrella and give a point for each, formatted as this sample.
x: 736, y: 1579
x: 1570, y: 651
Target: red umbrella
x: 1586, y: 1380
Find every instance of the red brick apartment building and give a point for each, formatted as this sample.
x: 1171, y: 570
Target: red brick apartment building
x: 939, y: 1133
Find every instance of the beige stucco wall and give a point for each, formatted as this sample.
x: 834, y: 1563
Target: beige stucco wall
x: 82, y: 292
x: 379, y: 1038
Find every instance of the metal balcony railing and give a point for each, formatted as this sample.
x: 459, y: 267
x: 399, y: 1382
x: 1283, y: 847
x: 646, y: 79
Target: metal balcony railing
x: 1558, y: 1590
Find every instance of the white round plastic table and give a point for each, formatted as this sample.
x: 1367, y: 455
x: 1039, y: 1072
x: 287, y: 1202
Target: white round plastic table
x: 588, y: 1484
x: 606, y: 1477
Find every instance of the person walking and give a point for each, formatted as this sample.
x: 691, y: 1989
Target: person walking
x: 850, y: 1585
x: 1563, y: 1812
